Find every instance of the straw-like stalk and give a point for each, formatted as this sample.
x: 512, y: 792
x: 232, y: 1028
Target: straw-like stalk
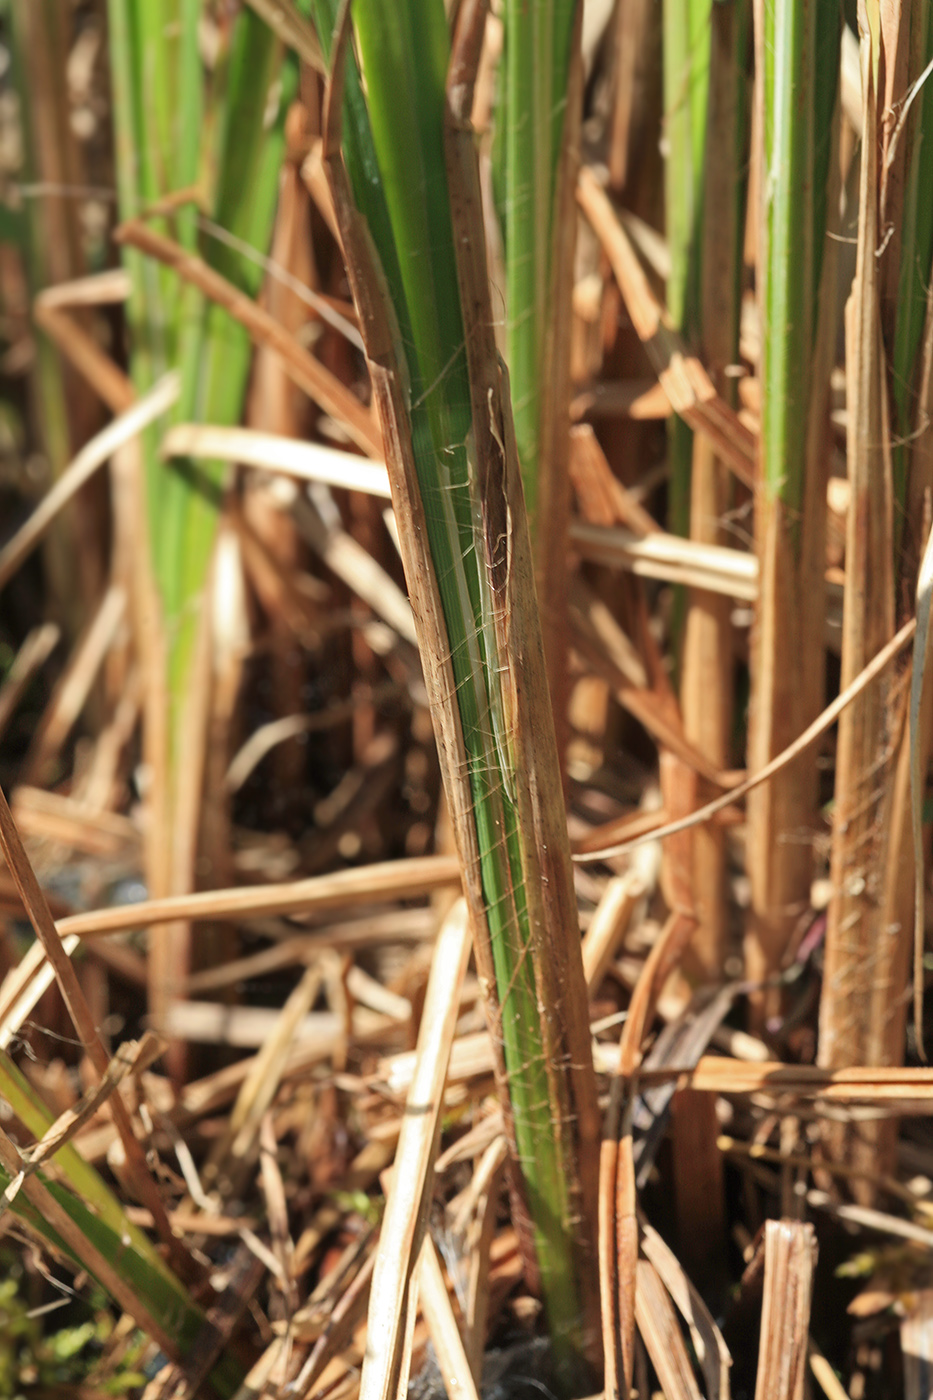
x: 450, y: 448
x: 862, y: 792
x: 863, y: 1008
x: 790, y: 1261
x: 163, y: 157
x: 797, y: 61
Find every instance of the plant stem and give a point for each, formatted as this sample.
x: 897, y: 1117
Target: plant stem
x: 797, y: 62
x: 475, y: 565
x: 172, y: 146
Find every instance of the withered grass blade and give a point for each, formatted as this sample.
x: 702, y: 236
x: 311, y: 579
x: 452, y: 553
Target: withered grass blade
x: 437, y: 1307
x: 661, y: 1334
x: 682, y: 376
x: 307, y: 372
x: 885, y: 739
x: 918, y: 674
x: 409, y: 1200
x: 40, y: 916
x: 868, y: 622
x: 342, y: 889
x: 708, y: 1342
x: 308, y: 461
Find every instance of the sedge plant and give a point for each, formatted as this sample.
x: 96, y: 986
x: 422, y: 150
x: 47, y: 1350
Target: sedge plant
x: 443, y: 399
x: 797, y: 66
x: 190, y: 144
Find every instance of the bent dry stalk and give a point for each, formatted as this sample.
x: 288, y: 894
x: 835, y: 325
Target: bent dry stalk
x: 424, y: 305
x: 890, y: 472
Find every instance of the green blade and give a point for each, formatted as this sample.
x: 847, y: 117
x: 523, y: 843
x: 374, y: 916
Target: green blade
x: 405, y: 48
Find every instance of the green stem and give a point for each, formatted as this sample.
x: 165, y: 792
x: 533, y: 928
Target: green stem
x: 799, y: 76
x: 405, y: 48
x: 537, y: 62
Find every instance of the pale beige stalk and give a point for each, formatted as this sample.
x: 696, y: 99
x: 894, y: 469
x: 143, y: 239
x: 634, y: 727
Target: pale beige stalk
x: 790, y: 1259
x: 405, y: 1221
x: 863, y: 1004
x: 862, y: 791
